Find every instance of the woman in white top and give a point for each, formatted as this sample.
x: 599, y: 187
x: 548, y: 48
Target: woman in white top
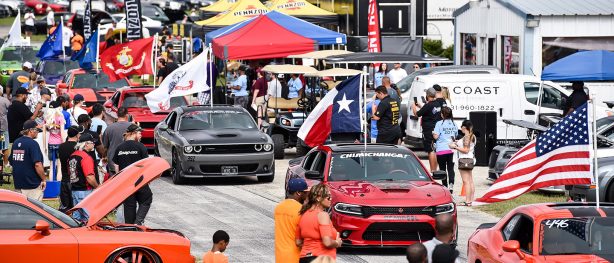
x: 29, y: 22
x: 76, y: 109
x: 466, y: 160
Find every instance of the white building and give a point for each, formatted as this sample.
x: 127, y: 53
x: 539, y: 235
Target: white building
x: 440, y: 21
x: 523, y: 36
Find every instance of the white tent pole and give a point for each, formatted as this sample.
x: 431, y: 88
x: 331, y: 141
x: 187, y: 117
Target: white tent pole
x: 595, y: 157
x: 211, y: 65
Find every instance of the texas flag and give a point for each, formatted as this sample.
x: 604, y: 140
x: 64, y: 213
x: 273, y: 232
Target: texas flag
x: 339, y: 111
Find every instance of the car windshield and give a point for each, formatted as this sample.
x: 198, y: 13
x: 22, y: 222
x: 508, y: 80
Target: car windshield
x: 59, y: 215
x: 604, y: 122
x: 20, y: 54
x: 137, y: 100
x: 376, y: 166
x: 216, y: 120
x: 58, y: 67
x: 405, y: 83
x: 568, y: 236
x: 97, y: 81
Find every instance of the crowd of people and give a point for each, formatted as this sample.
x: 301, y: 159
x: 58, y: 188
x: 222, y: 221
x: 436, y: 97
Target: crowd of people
x: 39, y: 129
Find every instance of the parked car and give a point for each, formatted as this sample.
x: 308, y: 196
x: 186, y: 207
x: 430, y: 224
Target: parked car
x: 214, y: 141
x: 15, y: 6
x: 154, y: 12
x: 120, y: 20
x: 587, y: 192
x: 564, y: 232
x: 12, y: 58
x: 39, y: 7
x: 54, y: 70
x: 95, y: 87
x: 134, y: 100
x: 32, y: 231
x: 381, y: 196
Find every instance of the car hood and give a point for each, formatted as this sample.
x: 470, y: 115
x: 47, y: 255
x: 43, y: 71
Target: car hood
x: 145, y: 115
x: 226, y: 136
x: 91, y: 95
x: 401, y: 193
x: 115, y: 190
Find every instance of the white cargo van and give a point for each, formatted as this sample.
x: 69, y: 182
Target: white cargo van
x: 510, y: 96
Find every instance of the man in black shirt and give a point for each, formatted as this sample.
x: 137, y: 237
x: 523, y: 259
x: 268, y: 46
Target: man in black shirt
x: 439, y: 96
x: 387, y: 116
x: 577, y: 98
x: 127, y: 153
x: 431, y: 114
x: 65, y: 151
x: 18, y: 113
x: 85, y: 122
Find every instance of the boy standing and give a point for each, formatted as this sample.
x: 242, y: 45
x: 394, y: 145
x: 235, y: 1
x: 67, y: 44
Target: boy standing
x: 220, y: 242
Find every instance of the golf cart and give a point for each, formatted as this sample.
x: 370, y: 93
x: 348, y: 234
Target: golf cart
x: 284, y: 117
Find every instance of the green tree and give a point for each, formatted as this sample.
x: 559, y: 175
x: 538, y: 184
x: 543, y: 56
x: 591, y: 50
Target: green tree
x: 435, y: 48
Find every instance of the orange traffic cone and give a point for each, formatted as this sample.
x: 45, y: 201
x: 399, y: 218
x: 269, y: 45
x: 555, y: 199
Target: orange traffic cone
x: 462, y: 190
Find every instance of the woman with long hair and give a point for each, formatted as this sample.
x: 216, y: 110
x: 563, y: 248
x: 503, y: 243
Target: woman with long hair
x: 382, y: 72
x: 444, y: 133
x: 466, y: 159
x: 446, y: 95
x: 315, y: 233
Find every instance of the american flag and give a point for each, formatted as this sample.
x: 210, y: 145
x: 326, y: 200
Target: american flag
x: 559, y: 156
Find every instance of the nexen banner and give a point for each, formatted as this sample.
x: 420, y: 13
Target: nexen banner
x: 134, y: 29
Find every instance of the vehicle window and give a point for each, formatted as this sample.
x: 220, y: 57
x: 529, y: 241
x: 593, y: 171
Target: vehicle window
x: 171, y: 120
x: 18, y: 217
x: 58, y: 68
x: 467, y: 72
x: 216, y: 120
x: 591, y: 236
x: 309, y: 160
x: 376, y: 166
x: 551, y: 97
x: 67, y: 78
x: 604, y: 122
x: 319, y: 163
x: 97, y: 81
x: 19, y: 54
x: 57, y: 214
x: 520, y: 228
x: 406, y: 82
x: 137, y: 100
x: 115, y: 99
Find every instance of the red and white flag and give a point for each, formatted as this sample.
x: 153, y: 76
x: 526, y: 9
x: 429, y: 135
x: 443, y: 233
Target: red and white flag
x: 559, y: 156
x: 373, y: 36
x: 132, y: 58
x: 188, y: 79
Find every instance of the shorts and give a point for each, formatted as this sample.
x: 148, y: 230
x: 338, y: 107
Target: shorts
x: 29, y: 28
x: 388, y: 137
x: 36, y: 193
x: 241, y: 101
x: 53, y: 151
x: 427, y: 141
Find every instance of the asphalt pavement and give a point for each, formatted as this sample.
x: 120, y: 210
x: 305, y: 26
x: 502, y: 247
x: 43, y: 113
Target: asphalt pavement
x: 244, y: 208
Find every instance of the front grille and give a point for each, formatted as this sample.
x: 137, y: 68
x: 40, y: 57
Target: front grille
x: 368, y: 211
x: 399, y: 232
x: 216, y: 168
x: 148, y: 125
x: 228, y: 149
x: 493, y: 158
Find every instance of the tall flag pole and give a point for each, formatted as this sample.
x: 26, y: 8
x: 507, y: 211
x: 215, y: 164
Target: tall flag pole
x: 595, y: 159
x: 98, y: 49
x: 211, y: 65
x: 154, y: 59
x: 87, y: 20
x: 134, y: 27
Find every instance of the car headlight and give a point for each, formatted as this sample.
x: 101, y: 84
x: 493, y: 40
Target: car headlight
x: 197, y: 148
x: 188, y: 149
x: 508, y: 155
x: 267, y: 147
x: 286, y: 122
x: 348, y: 209
x: 258, y: 147
x: 446, y: 208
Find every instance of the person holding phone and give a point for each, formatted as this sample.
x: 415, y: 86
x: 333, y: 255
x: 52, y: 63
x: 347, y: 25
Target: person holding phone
x: 444, y: 133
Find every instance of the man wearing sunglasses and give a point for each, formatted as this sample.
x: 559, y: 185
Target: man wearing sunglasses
x: 286, y: 220
x: 81, y: 169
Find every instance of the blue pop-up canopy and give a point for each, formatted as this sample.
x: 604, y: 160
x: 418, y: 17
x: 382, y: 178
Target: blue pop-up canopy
x: 320, y: 35
x: 582, y: 66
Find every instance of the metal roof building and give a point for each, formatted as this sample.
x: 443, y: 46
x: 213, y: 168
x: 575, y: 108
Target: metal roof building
x: 523, y: 36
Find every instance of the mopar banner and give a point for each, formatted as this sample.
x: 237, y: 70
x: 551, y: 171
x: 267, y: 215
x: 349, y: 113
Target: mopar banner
x: 87, y: 20
x: 133, y: 20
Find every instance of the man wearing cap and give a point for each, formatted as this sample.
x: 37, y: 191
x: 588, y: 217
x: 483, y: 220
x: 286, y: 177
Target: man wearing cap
x: 18, y: 113
x: 77, y: 109
x: 85, y: 123
x: 39, y: 92
x: 239, y: 88
x: 18, y: 78
x: 66, y: 149
x: 27, y: 158
x: 82, y: 172
x: 286, y: 217
x: 113, y: 136
x: 127, y: 153
x: 387, y: 114
x: 577, y: 98
x: 431, y: 114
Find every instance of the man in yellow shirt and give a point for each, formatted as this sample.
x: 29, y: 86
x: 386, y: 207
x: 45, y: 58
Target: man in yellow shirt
x: 220, y: 242
x: 286, y: 221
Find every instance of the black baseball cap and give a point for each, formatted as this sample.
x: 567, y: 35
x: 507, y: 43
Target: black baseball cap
x: 437, y: 88
x: 45, y: 91
x: 73, y: 131
x: 78, y: 97
x: 22, y: 91
x: 86, y: 137
x: 133, y: 128
x: 31, y: 124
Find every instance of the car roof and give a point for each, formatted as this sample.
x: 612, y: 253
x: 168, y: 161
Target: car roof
x: 136, y: 89
x: 458, y: 68
x: 191, y: 108
x: 476, y: 77
x: 371, y: 147
x: 566, y: 210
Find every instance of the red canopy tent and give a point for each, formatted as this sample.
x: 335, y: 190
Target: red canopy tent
x: 261, y: 38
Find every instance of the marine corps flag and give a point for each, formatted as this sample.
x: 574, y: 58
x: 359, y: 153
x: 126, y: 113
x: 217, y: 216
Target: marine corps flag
x: 132, y: 58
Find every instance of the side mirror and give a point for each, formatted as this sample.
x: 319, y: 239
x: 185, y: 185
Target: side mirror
x: 163, y: 127
x: 42, y: 227
x: 62, y: 86
x: 439, y: 175
x: 513, y: 246
x: 313, y: 175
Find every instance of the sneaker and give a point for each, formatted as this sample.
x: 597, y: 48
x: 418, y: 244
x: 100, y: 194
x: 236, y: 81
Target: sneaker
x: 451, y: 187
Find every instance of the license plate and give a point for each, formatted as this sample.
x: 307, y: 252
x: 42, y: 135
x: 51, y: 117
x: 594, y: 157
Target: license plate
x: 230, y: 170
